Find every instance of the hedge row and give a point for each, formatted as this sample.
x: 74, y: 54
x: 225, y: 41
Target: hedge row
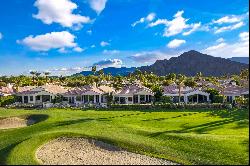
x: 173, y: 106
x: 7, y: 100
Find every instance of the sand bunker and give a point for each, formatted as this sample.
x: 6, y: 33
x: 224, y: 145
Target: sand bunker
x: 15, y: 122
x: 80, y: 151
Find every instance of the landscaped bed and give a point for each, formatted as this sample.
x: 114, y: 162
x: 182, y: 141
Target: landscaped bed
x: 180, y: 136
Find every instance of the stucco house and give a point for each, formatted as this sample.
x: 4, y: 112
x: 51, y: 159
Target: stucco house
x: 188, y: 94
x: 88, y: 95
x: 233, y: 91
x: 6, y: 91
x: 39, y: 95
x: 134, y: 94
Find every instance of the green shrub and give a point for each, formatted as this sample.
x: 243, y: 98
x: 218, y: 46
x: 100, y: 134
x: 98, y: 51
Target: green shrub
x: 219, y: 99
x: 7, y: 100
x: 166, y: 99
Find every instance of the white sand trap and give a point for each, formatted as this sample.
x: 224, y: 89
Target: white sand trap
x: 80, y: 151
x: 15, y: 122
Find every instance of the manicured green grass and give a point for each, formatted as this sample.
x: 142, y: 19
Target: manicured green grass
x: 182, y: 136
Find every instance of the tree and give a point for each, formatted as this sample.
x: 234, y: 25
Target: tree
x: 33, y: 73
x: 180, y: 82
x: 158, y: 93
x: 101, y: 72
x: 199, y: 76
x: 244, y: 74
x: 171, y: 76
x: 190, y: 82
x: 94, y: 69
x: 46, y: 76
x: 213, y: 93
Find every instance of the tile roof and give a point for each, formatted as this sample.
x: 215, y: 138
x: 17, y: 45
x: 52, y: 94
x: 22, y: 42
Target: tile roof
x: 133, y: 89
x: 82, y: 90
x: 173, y: 89
x: 234, y: 90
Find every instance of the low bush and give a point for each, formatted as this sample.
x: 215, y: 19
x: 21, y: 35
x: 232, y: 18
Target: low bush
x: 7, y: 100
x: 162, y: 106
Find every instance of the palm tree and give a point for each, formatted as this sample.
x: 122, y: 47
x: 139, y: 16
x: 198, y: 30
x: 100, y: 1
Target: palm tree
x: 94, y: 69
x: 33, y: 73
x: 46, y: 76
x: 180, y: 81
x: 37, y: 76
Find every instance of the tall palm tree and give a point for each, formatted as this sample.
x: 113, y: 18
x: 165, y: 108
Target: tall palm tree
x: 33, y: 73
x: 180, y: 82
x: 37, y: 76
x: 94, y: 69
x: 46, y: 76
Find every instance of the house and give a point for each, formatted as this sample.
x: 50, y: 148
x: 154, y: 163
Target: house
x: 188, y: 94
x: 39, y: 95
x: 134, y: 94
x: 6, y: 91
x: 88, y: 95
x: 233, y: 91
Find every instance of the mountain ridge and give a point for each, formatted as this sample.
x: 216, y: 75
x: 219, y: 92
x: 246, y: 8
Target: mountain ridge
x: 188, y: 63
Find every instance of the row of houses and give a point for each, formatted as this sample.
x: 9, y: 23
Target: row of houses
x: 129, y: 94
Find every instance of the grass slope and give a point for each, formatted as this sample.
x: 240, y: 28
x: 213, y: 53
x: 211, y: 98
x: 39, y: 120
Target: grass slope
x: 186, y: 137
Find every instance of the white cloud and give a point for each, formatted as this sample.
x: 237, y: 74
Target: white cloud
x: 228, y: 23
x: 78, y: 49
x: 150, y: 17
x: 228, y: 19
x: 92, y: 46
x: 62, y: 50
x: 177, y: 25
x: 109, y: 63
x: 59, y: 11
x: 193, y: 27
x: 228, y: 28
x: 216, y: 47
x: 48, y: 41
x: 149, y: 56
x: 1, y: 35
x: 220, y: 40
x: 111, y: 52
x: 244, y: 36
x: 104, y: 44
x: 65, y: 71
x: 98, y: 5
x: 175, y: 43
x: 89, y: 32
x: 158, y: 22
x: 227, y: 50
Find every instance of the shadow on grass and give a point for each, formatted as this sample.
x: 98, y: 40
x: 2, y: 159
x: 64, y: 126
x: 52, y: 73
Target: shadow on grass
x: 239, y: 116
x: 4, y: 153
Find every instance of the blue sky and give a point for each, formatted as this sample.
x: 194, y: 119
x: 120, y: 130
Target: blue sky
x: 67, y: 36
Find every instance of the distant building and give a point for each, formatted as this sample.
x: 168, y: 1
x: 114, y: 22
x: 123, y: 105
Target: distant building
x: 134, y: 94
x: 188, y: 94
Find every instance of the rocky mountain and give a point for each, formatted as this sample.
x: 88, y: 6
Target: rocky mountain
x: 123, y: 71
x: 240, y: 59
x: 192, y: 62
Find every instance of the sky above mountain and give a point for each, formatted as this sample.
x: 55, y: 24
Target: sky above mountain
x: 68, y: 36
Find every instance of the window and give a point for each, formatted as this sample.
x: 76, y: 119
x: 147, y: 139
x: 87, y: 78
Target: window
x: 130, y: 99
x: 78, y: 98
x: 97, y: 98
x: 38, y: 97
x: 116, y: 99
x: 91, y: 98
x: 142, y: 97
x: 65, y: 99
x: 31, y: 98
x: 85, y: 99
x: 136, y: 99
